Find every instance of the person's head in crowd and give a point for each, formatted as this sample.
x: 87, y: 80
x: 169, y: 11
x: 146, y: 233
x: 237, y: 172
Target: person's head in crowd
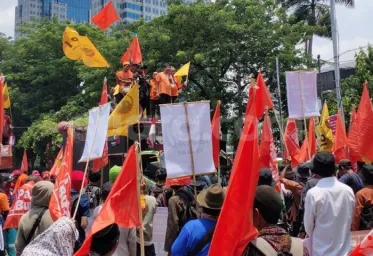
x: 3, y: 181
x: 161, y: 176
x: 344, y: 166
x: 265, y: 177
x: 323, y: 164
x: 143, y: 70
x: 33, y: 178
x: 45, y: 175
x: 41, y: 194
x: 134, y: 67
x: 214, y: 179
x: 154, y: 75
x: 105, y: 241
x: 35, y: 173
x: 289, y: 173
x: 126, y: 66
x: 58, y: 240
x: 199, y: 184
x: 166, y: 69
x: 211, y: 200
x: 267, y: 207
x: 360, y: 164
x: 366, y: 174
x: 106, y: 188
x: 94, y: 177
x: 172, y: 70
x: 77, y: 178
x: 114, y: 172
x: 302, y: 171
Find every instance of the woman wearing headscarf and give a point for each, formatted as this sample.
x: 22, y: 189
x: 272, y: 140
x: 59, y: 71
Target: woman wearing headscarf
x: 58, y: 240
x: 38, y: 219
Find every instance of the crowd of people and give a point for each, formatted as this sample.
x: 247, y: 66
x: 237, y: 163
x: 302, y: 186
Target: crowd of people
x: 320, y: 203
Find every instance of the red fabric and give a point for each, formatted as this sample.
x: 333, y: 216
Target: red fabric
x: 122, y: 205
x: 106, y: 17
x: 292, y: 142
x: 24, y: 164
x: 178, y: 181
x: 59, y: 204
x: 303, y: 152
x: 365, y: 115
x: 77, y: 177
x: 21, y: 205
x: 366, y: 246
x: 353, y: 138
x: 215, y: 127
x: 21, y: 180
x: 57, y: 164
x: 308, y: 149
x: 340, y: 140
x: 260, y: 96
x: 133, y: 53
x: 104, y: 160
x: 268, y: 151
x: 235, y: 228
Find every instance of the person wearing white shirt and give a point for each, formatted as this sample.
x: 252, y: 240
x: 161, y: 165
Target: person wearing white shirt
x: 328, y: 210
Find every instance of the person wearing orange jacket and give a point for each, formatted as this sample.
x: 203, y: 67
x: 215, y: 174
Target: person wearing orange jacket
x: 176, y: 85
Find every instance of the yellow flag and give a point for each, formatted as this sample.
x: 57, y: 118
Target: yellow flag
x: 125, y: 114
x: 183, y: 71
x: 6, y: 96
x: 78, y: 47
x: 326, y: 137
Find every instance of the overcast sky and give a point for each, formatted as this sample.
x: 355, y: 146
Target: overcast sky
x: 353, y: 24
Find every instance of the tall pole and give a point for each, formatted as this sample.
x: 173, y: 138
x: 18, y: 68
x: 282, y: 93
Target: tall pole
x: 279, y: 98
x: 336, y: 56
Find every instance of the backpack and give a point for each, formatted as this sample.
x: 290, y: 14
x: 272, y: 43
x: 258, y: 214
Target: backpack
x: 266, y: 248
x: 366, y: 220
x: 189, y: 206
x: 93, y: 193
x: 161, y: 195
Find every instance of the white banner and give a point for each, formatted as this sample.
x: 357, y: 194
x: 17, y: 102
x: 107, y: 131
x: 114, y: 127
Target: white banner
x: 97, y: 125
x: 176, y: 140
x: 301, y: 87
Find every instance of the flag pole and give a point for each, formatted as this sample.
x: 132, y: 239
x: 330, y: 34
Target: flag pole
x: 138, y: 174
x: 304, y: 118
x: 219, y: 169
x: 190, y: 147
x: 87, y: 164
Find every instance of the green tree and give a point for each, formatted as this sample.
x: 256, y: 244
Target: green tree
x: 314, y: 13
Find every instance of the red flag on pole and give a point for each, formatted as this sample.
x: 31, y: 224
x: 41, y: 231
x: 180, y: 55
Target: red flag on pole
x: 215, y: 127
x: 59, y: 204
x: 24, y: 164
x: 292, y: 142
x: 121, y: 206
x: 366, y: 246
x: 133, y: 53
x: 312, y: 137
x: 353, y: 139
x: 365, y: 115
x: 106, y: 17
x: 268, y: 151
x: 57, y: 164
x: 232, y: 234
x: 340, y: 140
x: 104, y: 160
x: 260, y: 96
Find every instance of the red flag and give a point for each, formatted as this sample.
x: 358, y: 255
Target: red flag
x: 235, y: 229
x: 57, y: 164
x: 122, y: 205
x: 366, y: 246
x: 106, y: 17
x: 353, y: 139
x: 292, y: 142
x: 260, y: 96
x: 21, y: 205
x: 308, y: 149
x: 104, y: 160
x: 268, y: 151
x: 365, y: 115
x: 24, y: 164
x: 303, y: 152
x: 59, y: 204
x: 133, y: 53
x: 215, y: 127
x: 340, y: 140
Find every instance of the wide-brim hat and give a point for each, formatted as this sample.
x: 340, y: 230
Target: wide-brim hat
x: 321, y: 162
x: 212, y: 197
x: 303, y: 170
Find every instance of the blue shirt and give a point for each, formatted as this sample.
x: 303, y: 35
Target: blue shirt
x: 190, y: 235
x: 353, y: 181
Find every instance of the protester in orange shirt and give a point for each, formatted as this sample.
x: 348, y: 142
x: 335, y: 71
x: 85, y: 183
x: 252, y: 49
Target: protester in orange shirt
x: 163, y: 83
x: 175, y: 86
x: 124, y: 80
x: 154, y: 95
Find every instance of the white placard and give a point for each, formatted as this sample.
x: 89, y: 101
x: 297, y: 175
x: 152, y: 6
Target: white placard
x: 94, y: 147
x: 176, y: 140
x: 301, y: 87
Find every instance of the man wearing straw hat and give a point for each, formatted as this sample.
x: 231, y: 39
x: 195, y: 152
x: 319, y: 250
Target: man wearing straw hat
x: 196, y: 235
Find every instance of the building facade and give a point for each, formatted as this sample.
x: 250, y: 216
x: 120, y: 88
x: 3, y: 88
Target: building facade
x: 75, y: 11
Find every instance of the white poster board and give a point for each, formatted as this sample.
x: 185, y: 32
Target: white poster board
x: 176, y: 139
x: 301, y: 87
x: 96, y: 133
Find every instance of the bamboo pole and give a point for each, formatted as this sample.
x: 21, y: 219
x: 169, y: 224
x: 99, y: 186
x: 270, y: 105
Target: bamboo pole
x: 139, y: 171
x: 300, y: 84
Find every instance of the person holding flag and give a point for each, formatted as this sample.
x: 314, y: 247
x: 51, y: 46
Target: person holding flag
x: 163, y: 83
x: 176, y: 85
x: 124, y: 81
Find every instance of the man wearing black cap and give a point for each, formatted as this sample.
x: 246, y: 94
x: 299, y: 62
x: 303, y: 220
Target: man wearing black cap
x: 363, y: 214
x: 272, y: 239
x: 347, y: 176
x: 144, y: 87
x: 329, y: 207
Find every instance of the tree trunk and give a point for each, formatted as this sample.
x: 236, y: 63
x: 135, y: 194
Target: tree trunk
x: 310, y: 44
x: 312, y: 23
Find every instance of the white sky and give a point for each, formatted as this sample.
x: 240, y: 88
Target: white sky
x: 352, y: 23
